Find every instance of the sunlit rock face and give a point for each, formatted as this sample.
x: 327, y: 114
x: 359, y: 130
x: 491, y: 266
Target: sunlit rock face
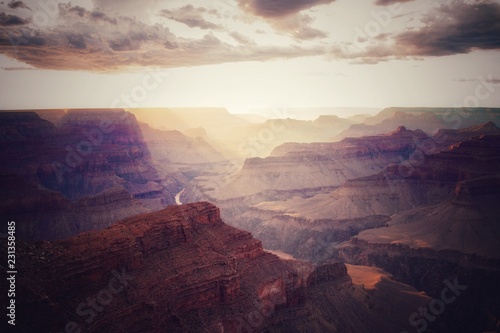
x: 295, y: 166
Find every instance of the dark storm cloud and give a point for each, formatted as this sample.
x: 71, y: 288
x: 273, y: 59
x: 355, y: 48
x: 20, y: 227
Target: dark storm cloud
x: 457, y: 28
x: 278, y: 8
x: 190, y: 16
x: 9, y: 20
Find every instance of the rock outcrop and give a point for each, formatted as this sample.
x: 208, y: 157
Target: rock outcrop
x: 456, y: 237
x: 466, y: 223
x: 476, y: 303
x: 446, y: 138
x: 183, y: 270
x: 23, y: 126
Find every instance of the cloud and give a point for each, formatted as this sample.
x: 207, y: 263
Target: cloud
x: 100, y: 16
x: 190, y: 16
x: 450, y: 29
x: 278, y: 8
x: 370, y: 55
x: 389, y: 2
x: 95, y: 40
x: 457, y: 28
x: 490, y: 79
x: 298, y: 26
x: 9, y: 20
x: 17, y: 68
x: 285, y: 17
x: 493, y: 81
x: 69, y: 14
x: 241, y: 38
x: 141, y: 10
x: 17, y: 4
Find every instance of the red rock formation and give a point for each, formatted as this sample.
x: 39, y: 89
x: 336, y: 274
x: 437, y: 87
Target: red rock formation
x: 445, y: 138
x: 177, y: 270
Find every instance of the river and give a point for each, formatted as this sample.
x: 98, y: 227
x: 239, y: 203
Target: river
x: 178, y: 197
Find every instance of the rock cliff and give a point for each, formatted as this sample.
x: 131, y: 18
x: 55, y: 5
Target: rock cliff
x: 295, y: 166
x: 173, y: 152
x: 457, y: 186
x: 446, y: 138
x: 183, y: 270
x: 94, y: 168
x: 23, y: 126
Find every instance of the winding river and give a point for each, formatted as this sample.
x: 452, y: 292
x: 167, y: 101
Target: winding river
x: 178, y: 197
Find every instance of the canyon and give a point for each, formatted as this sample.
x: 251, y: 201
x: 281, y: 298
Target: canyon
x: 190, y: 225
x: 425, y: 214
x: 96, y: 161
x: 323, y: 193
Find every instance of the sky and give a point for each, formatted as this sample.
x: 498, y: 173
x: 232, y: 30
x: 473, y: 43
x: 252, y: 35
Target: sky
x: 249, y: 54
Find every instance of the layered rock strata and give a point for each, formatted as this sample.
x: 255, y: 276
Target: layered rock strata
x: 183, y: 270
x: 94, y: 168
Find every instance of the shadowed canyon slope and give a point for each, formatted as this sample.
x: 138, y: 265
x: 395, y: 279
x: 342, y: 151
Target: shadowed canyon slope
x: 94, y: 168
x: 183, y: 270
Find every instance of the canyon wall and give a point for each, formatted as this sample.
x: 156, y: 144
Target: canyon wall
x: 182, y: 269
x: 94, y: 168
